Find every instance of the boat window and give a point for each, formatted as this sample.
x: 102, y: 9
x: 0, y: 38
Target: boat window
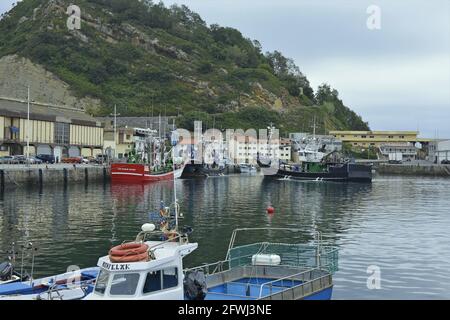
x: 124, y: 284
x: 152, y: 282
x: 170, y: 278
x: 161, y: 279
x: 102, y: 282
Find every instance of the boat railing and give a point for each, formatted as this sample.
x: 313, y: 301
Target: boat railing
x: 298, y: 255
x: 292, y: 278
x: 58, y: 289
x: 313, y: 284
x: 212, y: 268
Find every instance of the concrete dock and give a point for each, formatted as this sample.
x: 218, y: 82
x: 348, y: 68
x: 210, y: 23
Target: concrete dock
x: 14, y: 176
x: 414, y: 169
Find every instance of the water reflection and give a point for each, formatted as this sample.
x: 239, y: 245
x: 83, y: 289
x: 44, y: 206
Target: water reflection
x: 399, y: 224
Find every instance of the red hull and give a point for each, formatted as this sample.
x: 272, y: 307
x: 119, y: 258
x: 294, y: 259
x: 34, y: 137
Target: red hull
x: 126, y: 172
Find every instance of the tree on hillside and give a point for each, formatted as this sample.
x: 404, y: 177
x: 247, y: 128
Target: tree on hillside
x: 286, y: 70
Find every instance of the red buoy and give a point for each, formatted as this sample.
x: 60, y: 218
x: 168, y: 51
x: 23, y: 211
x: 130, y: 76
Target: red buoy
x: 270, y: 210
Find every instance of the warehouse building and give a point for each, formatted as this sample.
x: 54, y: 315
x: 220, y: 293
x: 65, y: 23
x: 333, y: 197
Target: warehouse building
x: 60, y: 131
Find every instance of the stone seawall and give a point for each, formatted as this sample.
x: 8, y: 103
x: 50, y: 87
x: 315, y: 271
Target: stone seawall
x: 42, y: 176
x: 415, y: 170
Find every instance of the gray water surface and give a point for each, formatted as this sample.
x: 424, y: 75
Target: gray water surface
x: 400, y: 225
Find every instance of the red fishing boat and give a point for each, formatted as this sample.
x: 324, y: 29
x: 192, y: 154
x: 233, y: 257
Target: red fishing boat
x: 130, y: 172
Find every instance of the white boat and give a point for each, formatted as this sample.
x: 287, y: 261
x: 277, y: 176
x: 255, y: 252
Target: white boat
x: 253, y: 271
x: 247, y: 168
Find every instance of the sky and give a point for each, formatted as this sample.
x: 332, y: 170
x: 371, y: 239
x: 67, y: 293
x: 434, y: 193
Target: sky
x: 396, y: 77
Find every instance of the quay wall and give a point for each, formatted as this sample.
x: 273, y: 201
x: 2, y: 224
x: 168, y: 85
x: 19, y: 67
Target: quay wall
x: 415, y: 170
x: 42, y: 176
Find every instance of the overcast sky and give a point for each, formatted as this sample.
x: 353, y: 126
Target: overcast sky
x: 396, y: 78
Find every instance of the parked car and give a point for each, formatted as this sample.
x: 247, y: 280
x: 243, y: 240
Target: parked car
x: 46, y: 158
x: 8, y: 160
x: 34, y: 160
x: 445, y: 162
x: 91, y: 159
x: 79, y: 160
x: 21, y: 159
x: 101, y: 158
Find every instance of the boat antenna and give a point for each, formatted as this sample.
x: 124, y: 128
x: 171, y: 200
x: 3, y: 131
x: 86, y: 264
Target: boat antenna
x: 314, y: 128
x: 174, y: 144
x: 33, y: 249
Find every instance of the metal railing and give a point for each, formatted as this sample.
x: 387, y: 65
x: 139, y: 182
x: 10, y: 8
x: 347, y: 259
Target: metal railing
x: 301, y: 290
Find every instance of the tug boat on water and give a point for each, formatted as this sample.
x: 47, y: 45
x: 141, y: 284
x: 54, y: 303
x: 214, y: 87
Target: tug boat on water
x: 147, y: 269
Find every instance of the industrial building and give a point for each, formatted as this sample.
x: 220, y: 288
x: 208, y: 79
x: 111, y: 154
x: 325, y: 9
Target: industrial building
x: 375, y: 139
x: 47, y: 129
x: 439, y: 150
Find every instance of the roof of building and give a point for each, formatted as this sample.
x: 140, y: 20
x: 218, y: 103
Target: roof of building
x: 138, y: 122
x: 19, y: 109
x: 376, y: 132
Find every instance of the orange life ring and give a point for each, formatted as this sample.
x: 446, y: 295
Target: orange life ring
x: 133, y: 258
x: 129, y: 252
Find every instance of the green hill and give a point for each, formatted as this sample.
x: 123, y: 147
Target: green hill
x: 148, y: 58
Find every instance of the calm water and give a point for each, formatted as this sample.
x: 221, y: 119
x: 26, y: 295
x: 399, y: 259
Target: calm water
x: 398, y: 224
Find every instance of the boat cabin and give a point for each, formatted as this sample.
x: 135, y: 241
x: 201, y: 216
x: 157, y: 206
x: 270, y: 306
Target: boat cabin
x: 161, y: 278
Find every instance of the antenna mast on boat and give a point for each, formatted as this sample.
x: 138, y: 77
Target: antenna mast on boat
x: 174, y: 143
x: 314, y: 128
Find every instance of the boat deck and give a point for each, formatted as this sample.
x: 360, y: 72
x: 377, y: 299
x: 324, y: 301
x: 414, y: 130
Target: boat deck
x: 249, y: 288
x: 268, y: 283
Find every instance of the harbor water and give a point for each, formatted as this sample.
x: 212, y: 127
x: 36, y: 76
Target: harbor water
x: 396, y: 225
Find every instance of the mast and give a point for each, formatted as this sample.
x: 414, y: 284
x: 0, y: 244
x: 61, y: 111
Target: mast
x: 28, y: 127
x: 115, y: 114
x: 314, y: 128
x: 174, y: 143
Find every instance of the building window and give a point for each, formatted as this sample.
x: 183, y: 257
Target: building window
x: 371, y: 137
x: 391, y: 137
x: 364, y: 137
x: 62, y: 133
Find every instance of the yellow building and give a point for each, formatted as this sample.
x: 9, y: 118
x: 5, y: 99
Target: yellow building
x: 122, y: 144
x: 375, y: 138
x: 59, y: 131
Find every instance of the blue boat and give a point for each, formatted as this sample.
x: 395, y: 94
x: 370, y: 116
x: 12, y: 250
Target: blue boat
x: 256, y: 271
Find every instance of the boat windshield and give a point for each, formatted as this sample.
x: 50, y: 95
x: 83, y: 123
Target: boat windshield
x: 102, y: 282
x: 124, y: 284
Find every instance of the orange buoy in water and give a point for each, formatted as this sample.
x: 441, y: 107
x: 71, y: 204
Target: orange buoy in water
x: 270, y: 210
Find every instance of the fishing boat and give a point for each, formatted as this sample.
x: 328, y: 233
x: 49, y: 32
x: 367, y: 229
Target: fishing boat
x: 153, y: 270
x: 323, y: 171
x: 133, y: 172
x: 149, y: 161
x: 317, y: 162
x: 201, y: 170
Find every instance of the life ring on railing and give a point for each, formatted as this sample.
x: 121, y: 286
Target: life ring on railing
x: 129, y: 252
